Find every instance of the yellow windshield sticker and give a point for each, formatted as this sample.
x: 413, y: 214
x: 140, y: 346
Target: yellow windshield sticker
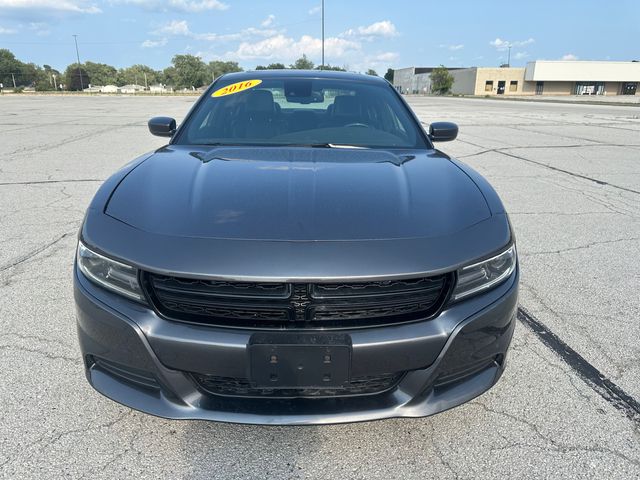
x: 235, y: 88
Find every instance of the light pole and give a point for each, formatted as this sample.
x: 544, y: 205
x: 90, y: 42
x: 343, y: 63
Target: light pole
x: 509, y: 58
x: 75, y: 37
x: 322, y: 66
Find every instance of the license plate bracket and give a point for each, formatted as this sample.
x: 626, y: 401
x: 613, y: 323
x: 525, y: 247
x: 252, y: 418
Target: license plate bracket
x: 282, y: 361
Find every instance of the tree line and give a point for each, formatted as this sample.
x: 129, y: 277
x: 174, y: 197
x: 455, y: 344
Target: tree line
x: 185, y: 71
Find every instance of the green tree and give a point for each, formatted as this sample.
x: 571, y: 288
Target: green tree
x: 138, y: 75
x: 389, y: 75
x: 372, y: 72
x: 331, y: 67
x: 24, y: 74
x: 271, y: 66
x: 45, y: 78
x: 303, y: 63
x: 169, y: 76
x: 218, y: 67
x: 72, y: 77
x: 190, y: 71
x: 100, y: 73
x: 441, y: 80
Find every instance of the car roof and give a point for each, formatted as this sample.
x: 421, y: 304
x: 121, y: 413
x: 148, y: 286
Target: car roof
x: 328, y: 74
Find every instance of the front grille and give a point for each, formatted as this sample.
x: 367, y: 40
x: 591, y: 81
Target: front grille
x: 297, y: 305
x: 241, y: 387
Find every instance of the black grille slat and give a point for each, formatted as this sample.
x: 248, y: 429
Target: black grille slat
x: 241, y: 387
x: 391, y: 287
x: 297, y: 305
x: 221, y: 288
x: 365, y: 311
x: 229, y: 312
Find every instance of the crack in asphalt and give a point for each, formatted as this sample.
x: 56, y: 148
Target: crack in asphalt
x: 551, y: 444
x: 440, y: 455
x: 66, y: 141
x: 44, y: 442
x: 601, y: 198
x: 568, y: 172
x: 502, y: 151
x: 40, y: 182
x: 595, y: 379
x: 36, y: 338
x: 23, y: 258
x: 580, y: 247
x: 537, y: 147
x: 50, y: 356
x: 570, y: 137
x: 613, y: 362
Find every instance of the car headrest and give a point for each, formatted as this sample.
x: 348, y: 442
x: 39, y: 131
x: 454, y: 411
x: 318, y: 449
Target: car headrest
x: 260, y: 101
x: 346, y: 105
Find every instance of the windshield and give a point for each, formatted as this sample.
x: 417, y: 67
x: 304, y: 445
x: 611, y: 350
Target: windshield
x: 301, y: 111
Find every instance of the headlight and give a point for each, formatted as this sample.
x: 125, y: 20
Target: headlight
x: 115, y: 276
x: 483, y: 275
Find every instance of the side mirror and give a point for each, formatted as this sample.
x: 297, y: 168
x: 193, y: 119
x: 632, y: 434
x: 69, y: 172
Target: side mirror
x: 443, y: 131
x: 162, y: 126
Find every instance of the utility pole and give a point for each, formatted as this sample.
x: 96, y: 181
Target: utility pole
x: 13, y: 77
x: 75, y: 37
x: 322, y: 66
x: 55, y: 84
x: 509, y: 57
x: 146, y: 84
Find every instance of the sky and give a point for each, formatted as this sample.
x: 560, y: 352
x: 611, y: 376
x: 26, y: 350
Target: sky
x: 359, y: 34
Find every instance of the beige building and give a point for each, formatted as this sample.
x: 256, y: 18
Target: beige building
x: 490, y: 81
x: 542, y: 77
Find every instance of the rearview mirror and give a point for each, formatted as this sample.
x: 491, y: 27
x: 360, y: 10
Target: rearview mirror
x: 162, y: 126
x: 443, y: 131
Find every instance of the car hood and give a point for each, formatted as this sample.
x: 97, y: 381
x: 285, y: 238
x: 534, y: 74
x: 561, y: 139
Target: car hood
x: 297, y: 194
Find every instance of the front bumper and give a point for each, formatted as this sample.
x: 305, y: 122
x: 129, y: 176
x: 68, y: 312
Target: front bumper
x: 136, y: 358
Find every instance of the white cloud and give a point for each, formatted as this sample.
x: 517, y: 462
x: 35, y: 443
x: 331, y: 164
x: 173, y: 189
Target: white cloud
x: 154, y: 43
x: 181, y: 28
x: 386, y: 57
x: 383, y: 29
x: 175, y: 27
x: 267, y: 22
x: 189, y: 6
x: 453, y: 48
x: 7, y: 31
x: 358, y: 62
x: 499, y: 43
x: 70, y: 6
x: 40, y: 28
x: 315, y: 10
x: 502, y: 45
x: 569, y: 56
x: 520, y: 55
x: 285, y: 48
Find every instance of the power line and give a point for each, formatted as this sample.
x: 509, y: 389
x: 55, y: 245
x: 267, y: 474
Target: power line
x: 75, y: 37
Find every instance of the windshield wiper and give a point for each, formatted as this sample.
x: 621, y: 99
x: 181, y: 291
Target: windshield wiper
x: 321, y: 145
x: 307, y: 145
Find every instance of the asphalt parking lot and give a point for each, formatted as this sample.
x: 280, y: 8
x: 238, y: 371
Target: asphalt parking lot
x: 567, y: 406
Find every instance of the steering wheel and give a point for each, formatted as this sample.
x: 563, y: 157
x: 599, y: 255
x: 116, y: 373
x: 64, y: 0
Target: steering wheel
x: 357, y: 124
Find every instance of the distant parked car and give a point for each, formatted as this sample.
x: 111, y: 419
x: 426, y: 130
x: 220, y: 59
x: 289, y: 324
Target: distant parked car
x: 298, y: 253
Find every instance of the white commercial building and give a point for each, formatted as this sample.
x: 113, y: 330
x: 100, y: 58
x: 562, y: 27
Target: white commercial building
x: 541, y: 77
